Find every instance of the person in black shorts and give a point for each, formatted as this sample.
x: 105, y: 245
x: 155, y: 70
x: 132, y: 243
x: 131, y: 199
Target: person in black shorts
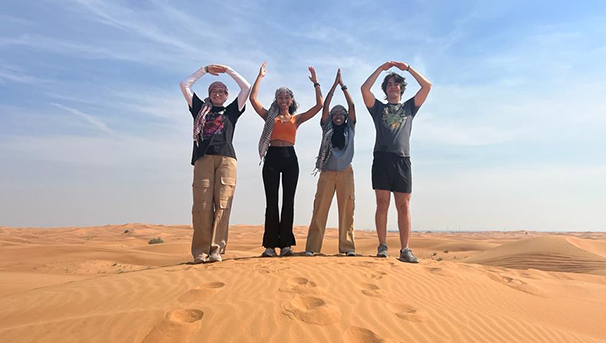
x: 391, y: 167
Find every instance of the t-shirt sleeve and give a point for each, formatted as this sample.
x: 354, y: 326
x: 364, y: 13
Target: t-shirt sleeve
x: 375, y: 109
x: 196, y: 105
x: 232, y: 110
x: 410, y: 103
x: 352, y: 124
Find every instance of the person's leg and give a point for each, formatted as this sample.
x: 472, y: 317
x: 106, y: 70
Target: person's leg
x: 404, y: 223
x: 202, y: 209
x: 324, y: 194
x: 383, y: 198
x: 225, y: 186
x: 346, y: 204
x: 290, y: 177
x: 382, y: 182
x: 271, y: 183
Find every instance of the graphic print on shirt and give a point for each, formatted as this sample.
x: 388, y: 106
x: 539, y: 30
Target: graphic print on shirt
x: 215, y: 123
x: 393, y: 116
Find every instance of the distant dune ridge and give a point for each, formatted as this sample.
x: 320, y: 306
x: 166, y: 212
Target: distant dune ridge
x: 107, y: 284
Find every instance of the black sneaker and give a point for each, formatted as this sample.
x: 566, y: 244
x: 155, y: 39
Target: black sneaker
x: 407, y: 256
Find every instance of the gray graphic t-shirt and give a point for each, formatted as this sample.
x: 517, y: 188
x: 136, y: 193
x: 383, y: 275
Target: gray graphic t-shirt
x: 393, y: 124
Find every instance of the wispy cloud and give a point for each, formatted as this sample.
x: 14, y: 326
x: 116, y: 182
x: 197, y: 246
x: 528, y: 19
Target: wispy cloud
x: 90, y: 119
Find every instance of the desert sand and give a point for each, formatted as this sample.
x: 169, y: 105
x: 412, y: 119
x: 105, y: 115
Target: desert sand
x: 107, y: 284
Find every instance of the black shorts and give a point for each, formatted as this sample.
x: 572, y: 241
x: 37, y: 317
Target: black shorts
x: 391, y: 172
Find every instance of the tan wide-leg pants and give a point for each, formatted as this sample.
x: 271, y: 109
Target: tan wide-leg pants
x: 213, y: 189
x: 329, y: 182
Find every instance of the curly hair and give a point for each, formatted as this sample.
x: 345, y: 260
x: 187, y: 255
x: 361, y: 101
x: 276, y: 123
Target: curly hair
x: 398, y: 79
x: 292, y: 109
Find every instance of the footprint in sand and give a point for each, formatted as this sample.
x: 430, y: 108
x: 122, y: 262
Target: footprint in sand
x: 517, y: 284
x: 438, y: 271
x: 355, y: 334
x: 378, y: 275
x: 185, y: 316
x: 407, y: 312
x: 201, y: 292
x: 178, y: 326
x: 301, y: 285
x: 367, y: 264
x: 372, y: 290
x: 312, y: 310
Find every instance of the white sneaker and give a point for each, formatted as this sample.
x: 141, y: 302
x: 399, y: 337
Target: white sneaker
x: 215, y: 257
x: 350, y: 253
x: 308, y: 253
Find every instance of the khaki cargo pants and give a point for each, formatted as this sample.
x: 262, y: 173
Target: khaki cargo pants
x: 213, y: 188
x: 329, y: 182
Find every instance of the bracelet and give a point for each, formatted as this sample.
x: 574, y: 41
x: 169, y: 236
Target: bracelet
x: 344, y: 88
x: 407, y: 67
x: 206, y: 69
x: 316, y: 84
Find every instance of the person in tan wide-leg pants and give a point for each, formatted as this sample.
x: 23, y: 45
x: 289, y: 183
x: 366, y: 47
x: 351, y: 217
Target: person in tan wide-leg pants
x: 213, y: 189
x: 214, y: 160
x: 343, y: 184
x: 336, y: 174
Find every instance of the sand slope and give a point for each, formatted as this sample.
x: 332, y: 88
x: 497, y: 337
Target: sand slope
x: 104, y: 285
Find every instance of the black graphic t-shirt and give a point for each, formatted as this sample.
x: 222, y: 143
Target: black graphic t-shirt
x: 218, y: 132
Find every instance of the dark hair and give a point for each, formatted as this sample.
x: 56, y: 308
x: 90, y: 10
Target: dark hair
x: 292, y: 109
x: 398, y: 79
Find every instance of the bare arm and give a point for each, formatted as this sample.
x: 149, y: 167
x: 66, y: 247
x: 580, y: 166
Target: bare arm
x: 305, y: 116
x: 369, y: 98
x: 255, y: 90
x: 331, y: 92
x: 350, y: 104
x: 422, y: 94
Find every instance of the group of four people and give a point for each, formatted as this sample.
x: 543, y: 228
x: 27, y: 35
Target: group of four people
x: 215, y: 166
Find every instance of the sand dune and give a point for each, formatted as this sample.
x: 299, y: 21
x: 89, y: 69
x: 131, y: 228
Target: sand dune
x: 104, y: 285
x: 549, y: 253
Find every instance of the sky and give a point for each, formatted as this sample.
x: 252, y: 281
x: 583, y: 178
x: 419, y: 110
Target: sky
x: 94, y: 129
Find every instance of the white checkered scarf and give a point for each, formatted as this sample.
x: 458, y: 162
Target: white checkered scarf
x: 326, y: 144
x: 270, y: 120
x: 206, y: 107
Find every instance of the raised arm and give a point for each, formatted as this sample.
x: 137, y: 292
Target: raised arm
x: 350, y: 104
x: 369, y: 98
x: 331, y: 92
x: 422, y: 94
x: 244, y: 86
x: 213, y: 69
x: 305, y: 116
x: 189, y: 81
x: 255, y: 90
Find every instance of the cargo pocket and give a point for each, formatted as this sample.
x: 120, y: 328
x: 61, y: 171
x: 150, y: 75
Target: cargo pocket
x: 203, y: 195
x: 228, y: 185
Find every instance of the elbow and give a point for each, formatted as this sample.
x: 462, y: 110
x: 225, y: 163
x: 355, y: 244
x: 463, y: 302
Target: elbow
x: 428, y: 85
x: 184, y: 85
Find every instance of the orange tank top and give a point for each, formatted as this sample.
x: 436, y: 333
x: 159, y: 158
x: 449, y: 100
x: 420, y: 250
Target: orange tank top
x: 284, y: 131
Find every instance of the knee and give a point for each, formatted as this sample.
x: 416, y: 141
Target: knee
x: 404, y: 207
x: 382, y: 206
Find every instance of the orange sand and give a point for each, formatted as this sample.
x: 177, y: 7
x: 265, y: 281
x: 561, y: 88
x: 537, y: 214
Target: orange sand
x: 103, y: 284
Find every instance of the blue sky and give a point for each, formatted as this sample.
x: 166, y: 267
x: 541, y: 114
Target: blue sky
x: 94, y: 129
